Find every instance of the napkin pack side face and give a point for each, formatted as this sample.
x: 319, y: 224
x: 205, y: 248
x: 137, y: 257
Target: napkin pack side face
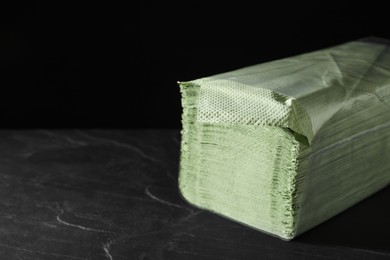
x: 285, y: 145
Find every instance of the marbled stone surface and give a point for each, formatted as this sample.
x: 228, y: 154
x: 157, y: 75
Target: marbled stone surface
x: 112, y: 194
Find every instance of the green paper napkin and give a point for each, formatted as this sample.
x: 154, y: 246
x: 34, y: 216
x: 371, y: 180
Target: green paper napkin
x: 285, y: 145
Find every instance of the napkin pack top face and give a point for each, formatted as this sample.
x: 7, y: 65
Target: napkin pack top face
x: 285, y: 145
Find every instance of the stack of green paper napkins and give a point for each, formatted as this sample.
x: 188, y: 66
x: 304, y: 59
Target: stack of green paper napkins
x: 285, y: 145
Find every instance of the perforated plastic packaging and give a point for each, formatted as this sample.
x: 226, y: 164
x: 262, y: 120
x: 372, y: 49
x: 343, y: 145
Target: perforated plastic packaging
x: 285, y: 145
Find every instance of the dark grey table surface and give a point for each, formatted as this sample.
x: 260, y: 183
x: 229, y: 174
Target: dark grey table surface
x: 102, y: 194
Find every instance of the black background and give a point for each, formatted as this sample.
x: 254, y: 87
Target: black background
x: 110, y: 65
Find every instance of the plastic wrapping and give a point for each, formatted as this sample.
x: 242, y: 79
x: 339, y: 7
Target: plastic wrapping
x: 291, y: 142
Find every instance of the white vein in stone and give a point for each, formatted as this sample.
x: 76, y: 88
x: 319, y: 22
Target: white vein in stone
x: 120, y: 144
x: 67, y: 138
x: 106, y: 248
x: 147, y: 192
x: 58, y: 217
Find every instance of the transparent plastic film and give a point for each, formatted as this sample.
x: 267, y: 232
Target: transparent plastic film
x: 285, y: 145
x: 301, y: 92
